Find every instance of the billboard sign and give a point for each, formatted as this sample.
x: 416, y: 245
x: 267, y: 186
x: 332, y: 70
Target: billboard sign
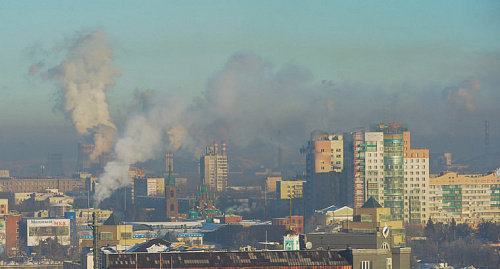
x: 3, y: 234
x: 41, y: 229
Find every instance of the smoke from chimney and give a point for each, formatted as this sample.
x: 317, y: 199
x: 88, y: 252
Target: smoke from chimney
x: 84, y: 78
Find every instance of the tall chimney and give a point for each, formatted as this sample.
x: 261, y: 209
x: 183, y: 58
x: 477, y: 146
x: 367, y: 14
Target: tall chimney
x: 486, y: 137
x: 223, y: 147
x: 83, y: 159
x: 216, y: 145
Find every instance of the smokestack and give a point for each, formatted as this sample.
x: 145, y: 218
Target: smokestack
x: 83, y: 163
x: 169, y: 161
x: 54, y: 165
x: 486, y: 137
x: 223, y: 147
x: 216, y: 145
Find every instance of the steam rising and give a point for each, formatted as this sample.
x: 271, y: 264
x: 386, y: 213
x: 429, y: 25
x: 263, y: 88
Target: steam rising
x: 84, y: 78
x: 463, y: 97
x: 246, y: 103
x: 249, y: 101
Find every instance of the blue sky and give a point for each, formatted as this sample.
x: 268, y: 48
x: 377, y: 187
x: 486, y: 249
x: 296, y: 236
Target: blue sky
x: 176, y: 47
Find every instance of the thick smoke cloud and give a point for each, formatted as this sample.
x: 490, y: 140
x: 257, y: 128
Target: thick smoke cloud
x: 84, y: 78
x: 463, y: 98
x: 246, y: 103
x: 249, y: 102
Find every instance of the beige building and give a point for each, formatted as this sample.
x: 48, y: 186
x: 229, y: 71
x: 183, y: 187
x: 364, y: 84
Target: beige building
x: 85, y: 215
x: 370, y: 165
x: 214, y: 169
x: 416, y: 188
x: 4, y: 207
x: 40, y: 185
x: 20, y: 197
x: 288, y: 188
x: 4, y: 174
x: 325, y: 153
x: 373, y: 217
x: 271, y: 183
x: 464, y: 198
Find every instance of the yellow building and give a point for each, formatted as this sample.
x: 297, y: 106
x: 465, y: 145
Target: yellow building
x: 114, y: 233
x: 271, y: 183
x: 372, y: 217
x: 287, y: 189
x: 85, y: 215
x: 465, y: 198
x: 4, y: 207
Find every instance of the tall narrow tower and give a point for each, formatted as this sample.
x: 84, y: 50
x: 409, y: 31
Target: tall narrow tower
x: 171, y: 196
x: 486, y: 137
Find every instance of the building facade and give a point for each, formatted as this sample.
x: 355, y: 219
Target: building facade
x: 324, y: 165
x: 416, y: 196
x: 464, y: 198
x: 214, y: 168
x: 40, y: 185
x: 287, y: 189
x: 381, y: 164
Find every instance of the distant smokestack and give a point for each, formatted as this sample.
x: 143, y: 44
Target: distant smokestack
x: 54, y: 165
x: 83, y: 163
x: 216, y: 145
x: 169, y: 161
x: 223, y: 147
x: 486, y: 137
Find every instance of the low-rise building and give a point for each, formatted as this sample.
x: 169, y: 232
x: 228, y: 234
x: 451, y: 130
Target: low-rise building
x: 297, y: 223
x: 373, y: 218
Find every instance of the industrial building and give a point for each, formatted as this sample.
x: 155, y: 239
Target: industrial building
x: 242, y: 260
x: 42, y: 184
x: 214, y: 169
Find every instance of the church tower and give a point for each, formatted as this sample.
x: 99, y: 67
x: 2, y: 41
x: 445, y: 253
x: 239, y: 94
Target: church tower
x: 171, y: 196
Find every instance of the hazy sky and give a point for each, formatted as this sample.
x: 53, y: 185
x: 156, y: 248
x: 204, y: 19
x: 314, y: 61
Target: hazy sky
x: 432, y: 64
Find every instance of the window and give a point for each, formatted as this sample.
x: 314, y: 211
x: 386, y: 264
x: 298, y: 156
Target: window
x: 365, y: 265
x: 106, y: 236
x: 126, y: 235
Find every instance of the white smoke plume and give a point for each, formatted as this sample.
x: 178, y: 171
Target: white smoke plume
x: 463, y: 98
x: 84, y: 78
x: 246, y: 103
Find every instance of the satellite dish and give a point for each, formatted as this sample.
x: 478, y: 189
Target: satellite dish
x: 309, y: 245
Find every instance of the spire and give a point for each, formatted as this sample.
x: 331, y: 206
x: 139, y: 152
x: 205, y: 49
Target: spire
x: 170, y: 178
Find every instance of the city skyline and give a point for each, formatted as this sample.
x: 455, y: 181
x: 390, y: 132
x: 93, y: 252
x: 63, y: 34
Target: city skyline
x: 284, y: 69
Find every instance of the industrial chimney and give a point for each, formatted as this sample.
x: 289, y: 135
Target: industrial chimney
x: 83, y: 163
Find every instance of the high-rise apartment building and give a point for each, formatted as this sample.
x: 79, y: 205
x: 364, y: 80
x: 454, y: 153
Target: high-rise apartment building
x: 381, y: 164
x: 324, y: 166
x: 416, y: 196
x: 214, y: 168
